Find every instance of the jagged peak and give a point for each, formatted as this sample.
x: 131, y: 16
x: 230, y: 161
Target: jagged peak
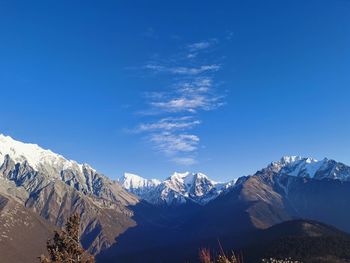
x: 293, y: 159
x: 134, y: 181
x: 188, y: 176
x: 180, y: 175
x: 310, y: 167
x: 296, y: 158
x: 290, y: 158
x: 33, y: 154
x: 128, y: 175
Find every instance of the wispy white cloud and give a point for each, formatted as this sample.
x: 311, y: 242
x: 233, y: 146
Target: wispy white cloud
x: 173, y: 144
x: 155, y: 67
x: 190, y: 95
x: 183, y: 70
x: 169, y: 124
x: 199, y: 45
x: 154, y: 95
x: 184, y: 160
x: 195, y: 71
x: 187, y: 104
x: 192, y: 91
x: 192, y: 55
x: 197, y: 85
x: 202, y: 45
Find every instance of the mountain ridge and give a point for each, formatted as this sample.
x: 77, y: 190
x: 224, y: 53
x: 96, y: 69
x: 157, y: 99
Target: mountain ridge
x: 180, y: 188
x: 53, y: 187
x: 177, y: 189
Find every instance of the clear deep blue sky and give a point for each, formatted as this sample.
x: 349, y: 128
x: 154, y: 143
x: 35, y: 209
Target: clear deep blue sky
x: 150, y: 87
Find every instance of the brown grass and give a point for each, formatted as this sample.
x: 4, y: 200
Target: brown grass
x: 205, y: 257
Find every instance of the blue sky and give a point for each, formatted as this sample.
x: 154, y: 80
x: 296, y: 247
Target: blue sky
x: 153, y: 87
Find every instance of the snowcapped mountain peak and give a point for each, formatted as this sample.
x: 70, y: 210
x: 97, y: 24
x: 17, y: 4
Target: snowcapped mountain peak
x: 138, y: 185
x: 310, y: 160
x: 132, y: 181
x: 287, y: 161
x: 311, y: 168
x: 188, y: 177
x: 33, y: 154
x: 50, y: 168
x: 181, y: 176
x: 184, y: 182
x: 290, y: 159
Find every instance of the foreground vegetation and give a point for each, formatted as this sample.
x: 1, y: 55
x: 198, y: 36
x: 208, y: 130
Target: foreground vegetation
x: 206, y: 257
x: 65, y: 246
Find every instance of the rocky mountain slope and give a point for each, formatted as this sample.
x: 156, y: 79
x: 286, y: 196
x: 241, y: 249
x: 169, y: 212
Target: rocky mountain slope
x: 293, y: 187
x: 53, y: 187
x: 19, y: 227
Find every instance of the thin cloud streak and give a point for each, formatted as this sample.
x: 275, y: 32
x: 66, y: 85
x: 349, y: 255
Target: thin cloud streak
x: 184, y: 161
x: 183, y: 70
x: 172, y: 144
x: 190, y: 104
x: 198, y: 46
x: 169, y: 124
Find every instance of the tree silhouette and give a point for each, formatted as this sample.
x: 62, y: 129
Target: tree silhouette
x: 65, y: 246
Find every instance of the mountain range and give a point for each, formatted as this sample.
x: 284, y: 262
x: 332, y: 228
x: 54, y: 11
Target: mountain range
x: 135, y: 219
x: 177, y: 189
x: 199, y: 188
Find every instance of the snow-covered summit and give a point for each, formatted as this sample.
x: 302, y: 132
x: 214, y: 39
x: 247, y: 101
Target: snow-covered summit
x: 45, y: 167
x: 195, y: 184
x: 189, y: 178
x: 312, y: 168
x: 133, y: 181
x: 287, y: 160
x: 33, y: 154
x: 137, y: 184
